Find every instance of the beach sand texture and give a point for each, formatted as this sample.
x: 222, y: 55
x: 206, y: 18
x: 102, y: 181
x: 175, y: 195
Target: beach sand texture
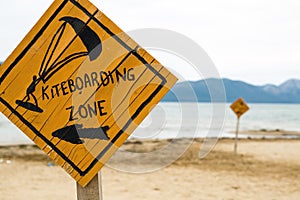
x: 263, y: 169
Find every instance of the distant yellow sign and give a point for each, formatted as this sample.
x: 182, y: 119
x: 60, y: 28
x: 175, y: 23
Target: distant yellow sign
x: 78, y: 86
x: 239, y: 107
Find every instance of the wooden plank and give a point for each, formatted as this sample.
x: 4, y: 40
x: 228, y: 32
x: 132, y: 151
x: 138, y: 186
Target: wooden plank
x: 79, y: 98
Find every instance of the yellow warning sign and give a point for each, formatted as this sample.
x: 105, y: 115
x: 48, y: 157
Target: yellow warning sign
x: 239, y: 107
x: 78, y: 86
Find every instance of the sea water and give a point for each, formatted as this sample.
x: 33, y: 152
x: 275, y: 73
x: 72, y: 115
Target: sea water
x: 188, y: 120
x: 169, y: 120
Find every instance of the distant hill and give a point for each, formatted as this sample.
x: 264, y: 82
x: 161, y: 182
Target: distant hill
x: 288, y: 92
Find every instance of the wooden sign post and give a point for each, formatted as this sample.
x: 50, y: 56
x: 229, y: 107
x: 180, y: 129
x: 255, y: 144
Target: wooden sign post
x: 78, y: 86
x: 239, y: 107
x: 93, y: 190
x: 236, y: 135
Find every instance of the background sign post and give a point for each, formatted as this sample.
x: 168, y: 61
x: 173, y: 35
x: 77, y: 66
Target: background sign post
x: 239, y: 107
x: 236, y: 135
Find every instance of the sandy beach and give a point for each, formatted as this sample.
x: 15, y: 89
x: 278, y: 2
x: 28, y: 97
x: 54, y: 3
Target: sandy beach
x: 262, y: 169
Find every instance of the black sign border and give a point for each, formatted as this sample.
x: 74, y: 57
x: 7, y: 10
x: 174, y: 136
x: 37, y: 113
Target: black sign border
x: 134, y: 116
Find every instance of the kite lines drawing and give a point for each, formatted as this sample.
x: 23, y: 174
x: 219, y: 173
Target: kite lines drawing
x: 50, y: 65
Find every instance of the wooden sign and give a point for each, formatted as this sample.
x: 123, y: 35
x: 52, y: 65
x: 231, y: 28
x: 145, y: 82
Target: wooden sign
x: 78, y: 86
x: 239, y: 107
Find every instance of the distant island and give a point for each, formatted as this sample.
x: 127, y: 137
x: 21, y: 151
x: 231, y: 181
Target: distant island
x: 287, y: 92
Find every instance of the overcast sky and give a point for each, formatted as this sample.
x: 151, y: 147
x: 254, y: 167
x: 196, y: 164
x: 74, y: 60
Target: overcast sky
x: 257, y: 41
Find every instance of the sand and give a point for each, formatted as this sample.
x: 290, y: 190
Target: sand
x: 262, y: 169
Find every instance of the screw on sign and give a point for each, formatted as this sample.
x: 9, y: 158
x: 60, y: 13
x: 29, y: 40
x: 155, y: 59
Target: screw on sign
x: 239, y: 107
x: 78, y: 86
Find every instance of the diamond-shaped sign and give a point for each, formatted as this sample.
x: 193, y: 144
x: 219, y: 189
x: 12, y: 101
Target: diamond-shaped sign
x: 78, y: 86
x: 239, y: 107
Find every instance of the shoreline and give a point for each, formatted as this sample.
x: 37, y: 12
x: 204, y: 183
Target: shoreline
x: 243, y: 134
